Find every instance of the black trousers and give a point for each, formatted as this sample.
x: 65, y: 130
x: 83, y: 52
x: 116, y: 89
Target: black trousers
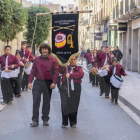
x: 40, y: 87
x: 18, y: 84
x: 59, y: 82
x: 114, y: 92
x: 7, y: 89
x: 25, y: 81
x: 90, y: 77
x: 95, y: 80
x: 71, y: 117
x: 105, y: 85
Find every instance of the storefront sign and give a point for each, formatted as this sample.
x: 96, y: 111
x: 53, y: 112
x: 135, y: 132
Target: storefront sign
x: 122, y: 26
x: 98, y: 36
x: 112, y: 27
x: 104, y: 37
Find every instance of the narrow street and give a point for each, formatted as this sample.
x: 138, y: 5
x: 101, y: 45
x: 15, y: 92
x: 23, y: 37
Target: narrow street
x: 98, y: 119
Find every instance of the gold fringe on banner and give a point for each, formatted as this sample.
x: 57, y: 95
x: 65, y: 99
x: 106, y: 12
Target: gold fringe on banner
x: 65, y: 64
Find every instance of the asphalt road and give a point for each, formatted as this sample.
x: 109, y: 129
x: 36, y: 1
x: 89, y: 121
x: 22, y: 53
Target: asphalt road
x: 98, y: 119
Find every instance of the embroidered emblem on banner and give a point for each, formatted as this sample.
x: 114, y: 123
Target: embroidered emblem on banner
x: 60, y: 40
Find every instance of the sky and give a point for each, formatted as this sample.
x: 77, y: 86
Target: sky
x: 62, y: 2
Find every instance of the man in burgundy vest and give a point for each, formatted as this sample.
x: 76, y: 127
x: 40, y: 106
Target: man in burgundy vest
x: 104, y: 81
x: 28, y: 57
x: 9, y: 64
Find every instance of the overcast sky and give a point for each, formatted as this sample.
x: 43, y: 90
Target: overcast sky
x: 62, y: 2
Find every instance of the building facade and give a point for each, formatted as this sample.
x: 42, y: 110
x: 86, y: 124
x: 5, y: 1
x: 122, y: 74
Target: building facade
x: 117, y: 22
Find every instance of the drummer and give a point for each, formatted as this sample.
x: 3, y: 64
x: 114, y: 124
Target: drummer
x: 27, y: 56
x: 95, y: 79
x: 9, y: 63
x: 91, y: 59
x: 104, y: 59
x: 118, y: 70
x: 30, y: 49
x: 75, y: 74
x: 18, y: 81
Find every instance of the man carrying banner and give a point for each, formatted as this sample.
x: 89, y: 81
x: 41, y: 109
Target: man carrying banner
x: 75, y: 74
x: 45, y: 69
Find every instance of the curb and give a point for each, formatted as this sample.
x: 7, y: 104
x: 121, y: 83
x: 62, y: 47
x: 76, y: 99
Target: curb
x: 124, y: 101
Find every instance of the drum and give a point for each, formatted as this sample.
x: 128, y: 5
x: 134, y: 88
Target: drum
x: 116, y: 81
x: 29, y: 68
x: 89, y: 67
x: 103, y: 72
x: 9, y: 73
x: 94, y: 71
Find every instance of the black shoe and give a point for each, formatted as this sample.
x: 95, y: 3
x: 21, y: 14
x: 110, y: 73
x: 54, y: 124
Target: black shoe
x: 116, y: 101
x: 112, y: 101
x: 45, y: 123
x: 73, y: 126
x: 4, y: 103
x: 101, y: 94
x: 18, y: 95
x: 10, y: 103
x: 89, y: 81
x: 106, y: 96
x: 34, y: 124
x: 93, y: 85
x: 22, y: 90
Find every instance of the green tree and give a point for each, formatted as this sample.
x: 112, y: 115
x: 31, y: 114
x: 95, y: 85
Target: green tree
x: 12, y: 19
x: 43, y: 25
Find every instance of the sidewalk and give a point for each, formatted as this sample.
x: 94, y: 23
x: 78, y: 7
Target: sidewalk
x: 130, y: 90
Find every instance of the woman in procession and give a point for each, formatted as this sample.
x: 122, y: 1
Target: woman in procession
x: 74, y: 75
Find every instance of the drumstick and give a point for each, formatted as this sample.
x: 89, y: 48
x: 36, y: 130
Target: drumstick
x: 7, y: 67
x: 129, y: 75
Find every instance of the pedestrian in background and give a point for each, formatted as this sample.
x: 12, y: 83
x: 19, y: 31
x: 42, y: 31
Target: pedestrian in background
x: 118, y: 54
x: 88, y: 50
x: 82, y: 56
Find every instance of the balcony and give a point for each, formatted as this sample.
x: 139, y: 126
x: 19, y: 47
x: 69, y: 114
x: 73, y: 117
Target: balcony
x: 126, y: 9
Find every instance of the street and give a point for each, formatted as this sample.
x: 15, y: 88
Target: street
x: 98, y: 119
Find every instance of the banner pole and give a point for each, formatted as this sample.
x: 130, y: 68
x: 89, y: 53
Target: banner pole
x: 67, y: 81
x: 69, y: 12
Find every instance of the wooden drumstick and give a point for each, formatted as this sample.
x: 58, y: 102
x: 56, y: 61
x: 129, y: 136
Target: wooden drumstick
x: 129, y: 75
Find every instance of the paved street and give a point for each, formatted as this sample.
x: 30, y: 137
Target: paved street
x: 98, y: 119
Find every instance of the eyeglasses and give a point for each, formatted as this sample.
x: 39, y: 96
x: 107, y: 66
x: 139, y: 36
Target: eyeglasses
x: 73, y: 59
x: 8, y: 49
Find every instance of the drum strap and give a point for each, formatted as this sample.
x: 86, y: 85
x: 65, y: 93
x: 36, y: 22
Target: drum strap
x: 113, y: 70
x: 5, y: 60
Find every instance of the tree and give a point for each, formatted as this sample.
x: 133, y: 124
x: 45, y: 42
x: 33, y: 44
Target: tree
x: 12, y: 19
x: 43, y: 25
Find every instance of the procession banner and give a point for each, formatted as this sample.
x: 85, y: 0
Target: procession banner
x: 64, y: 37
